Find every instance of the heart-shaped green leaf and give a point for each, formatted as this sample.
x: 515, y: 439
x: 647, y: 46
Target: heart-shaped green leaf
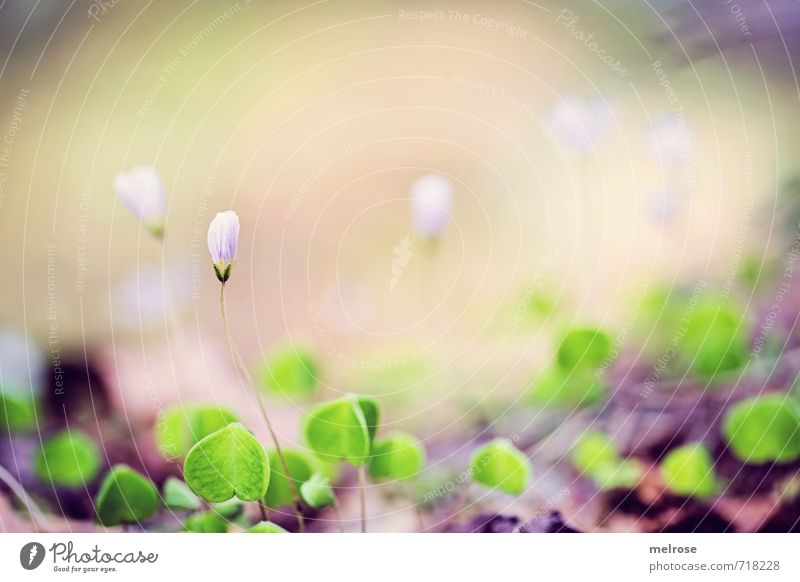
x: 398, y: 456
x: 584, y: 349
x: 17, y: 411
x: 181, y: 427
x: 499, y: 464
x: 688, y: 470
x: 597, y: 457
x: 178, y: 496
x: 557, y: 388
x: 205, y: 522
x: 125, y: 496
x: 68, y: 459
x: 317, y: 492
x: 372, y: 414
x: 715, y: 336
x: 764, y: 429
x: 291, y: 371
x: 231, y: 509
x: 300, y: 466
x: 229, y: 462
x: 342, y: 430
x: 266, y: 527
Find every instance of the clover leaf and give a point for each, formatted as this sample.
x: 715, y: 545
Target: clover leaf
x: 182, y: 427
x: 557, y: 388
x: 177, y: 495
x: 205, y: 522
x: 583, y: 349
x: 300, y: 466
x: 317, y: 492
x: 229, y: 462
x: 398, y: 456
x: 715, y: 336
x: 291, y: 370
x: 125, y: 496
x: 68, y: 459
x: 17, y: 411
x: 266, y: 527
x: 596, y: 456
x: 342, y: 430
x: 499, y: 464
x: 688, y: 470
x: 763, y: 429
x: 231, y: 509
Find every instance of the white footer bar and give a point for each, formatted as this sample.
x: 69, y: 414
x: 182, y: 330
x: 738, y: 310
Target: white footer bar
x: 407, y: 557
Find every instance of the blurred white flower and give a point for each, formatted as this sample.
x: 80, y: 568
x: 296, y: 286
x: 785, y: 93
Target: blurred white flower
x: 146, y: 292
x: 431, y: 204
x: 223, y: 237
x: 663, y: 205
x: 142, y: 191
x: 669, y: 139
x: 21, y: 364
x: 580, y: 124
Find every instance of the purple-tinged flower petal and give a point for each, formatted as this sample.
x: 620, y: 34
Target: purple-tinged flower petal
x: 223, y: 237
x: 142, y: 191
x: 431, y: 204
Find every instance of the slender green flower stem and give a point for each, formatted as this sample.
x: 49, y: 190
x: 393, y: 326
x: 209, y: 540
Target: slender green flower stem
x: 249, y: 379
x: 362, y: 487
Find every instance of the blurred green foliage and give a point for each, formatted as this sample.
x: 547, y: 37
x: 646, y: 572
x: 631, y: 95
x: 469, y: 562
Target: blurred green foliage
x: 764, y: 429
x: 343, y: 429
x: 68, y: 459
x: 290, y: 370
x: 125, y: 496
x: 688, y: 470
x: 398, y: 456
x: 300, y: 466
x: 597, y: 457
x: 182, y: 427
x: 500, y: 465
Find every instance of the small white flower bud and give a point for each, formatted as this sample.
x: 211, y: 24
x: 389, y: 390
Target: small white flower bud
x: 223, y: 237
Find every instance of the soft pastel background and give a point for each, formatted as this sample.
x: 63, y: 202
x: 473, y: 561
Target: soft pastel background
x: 312, y: 120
